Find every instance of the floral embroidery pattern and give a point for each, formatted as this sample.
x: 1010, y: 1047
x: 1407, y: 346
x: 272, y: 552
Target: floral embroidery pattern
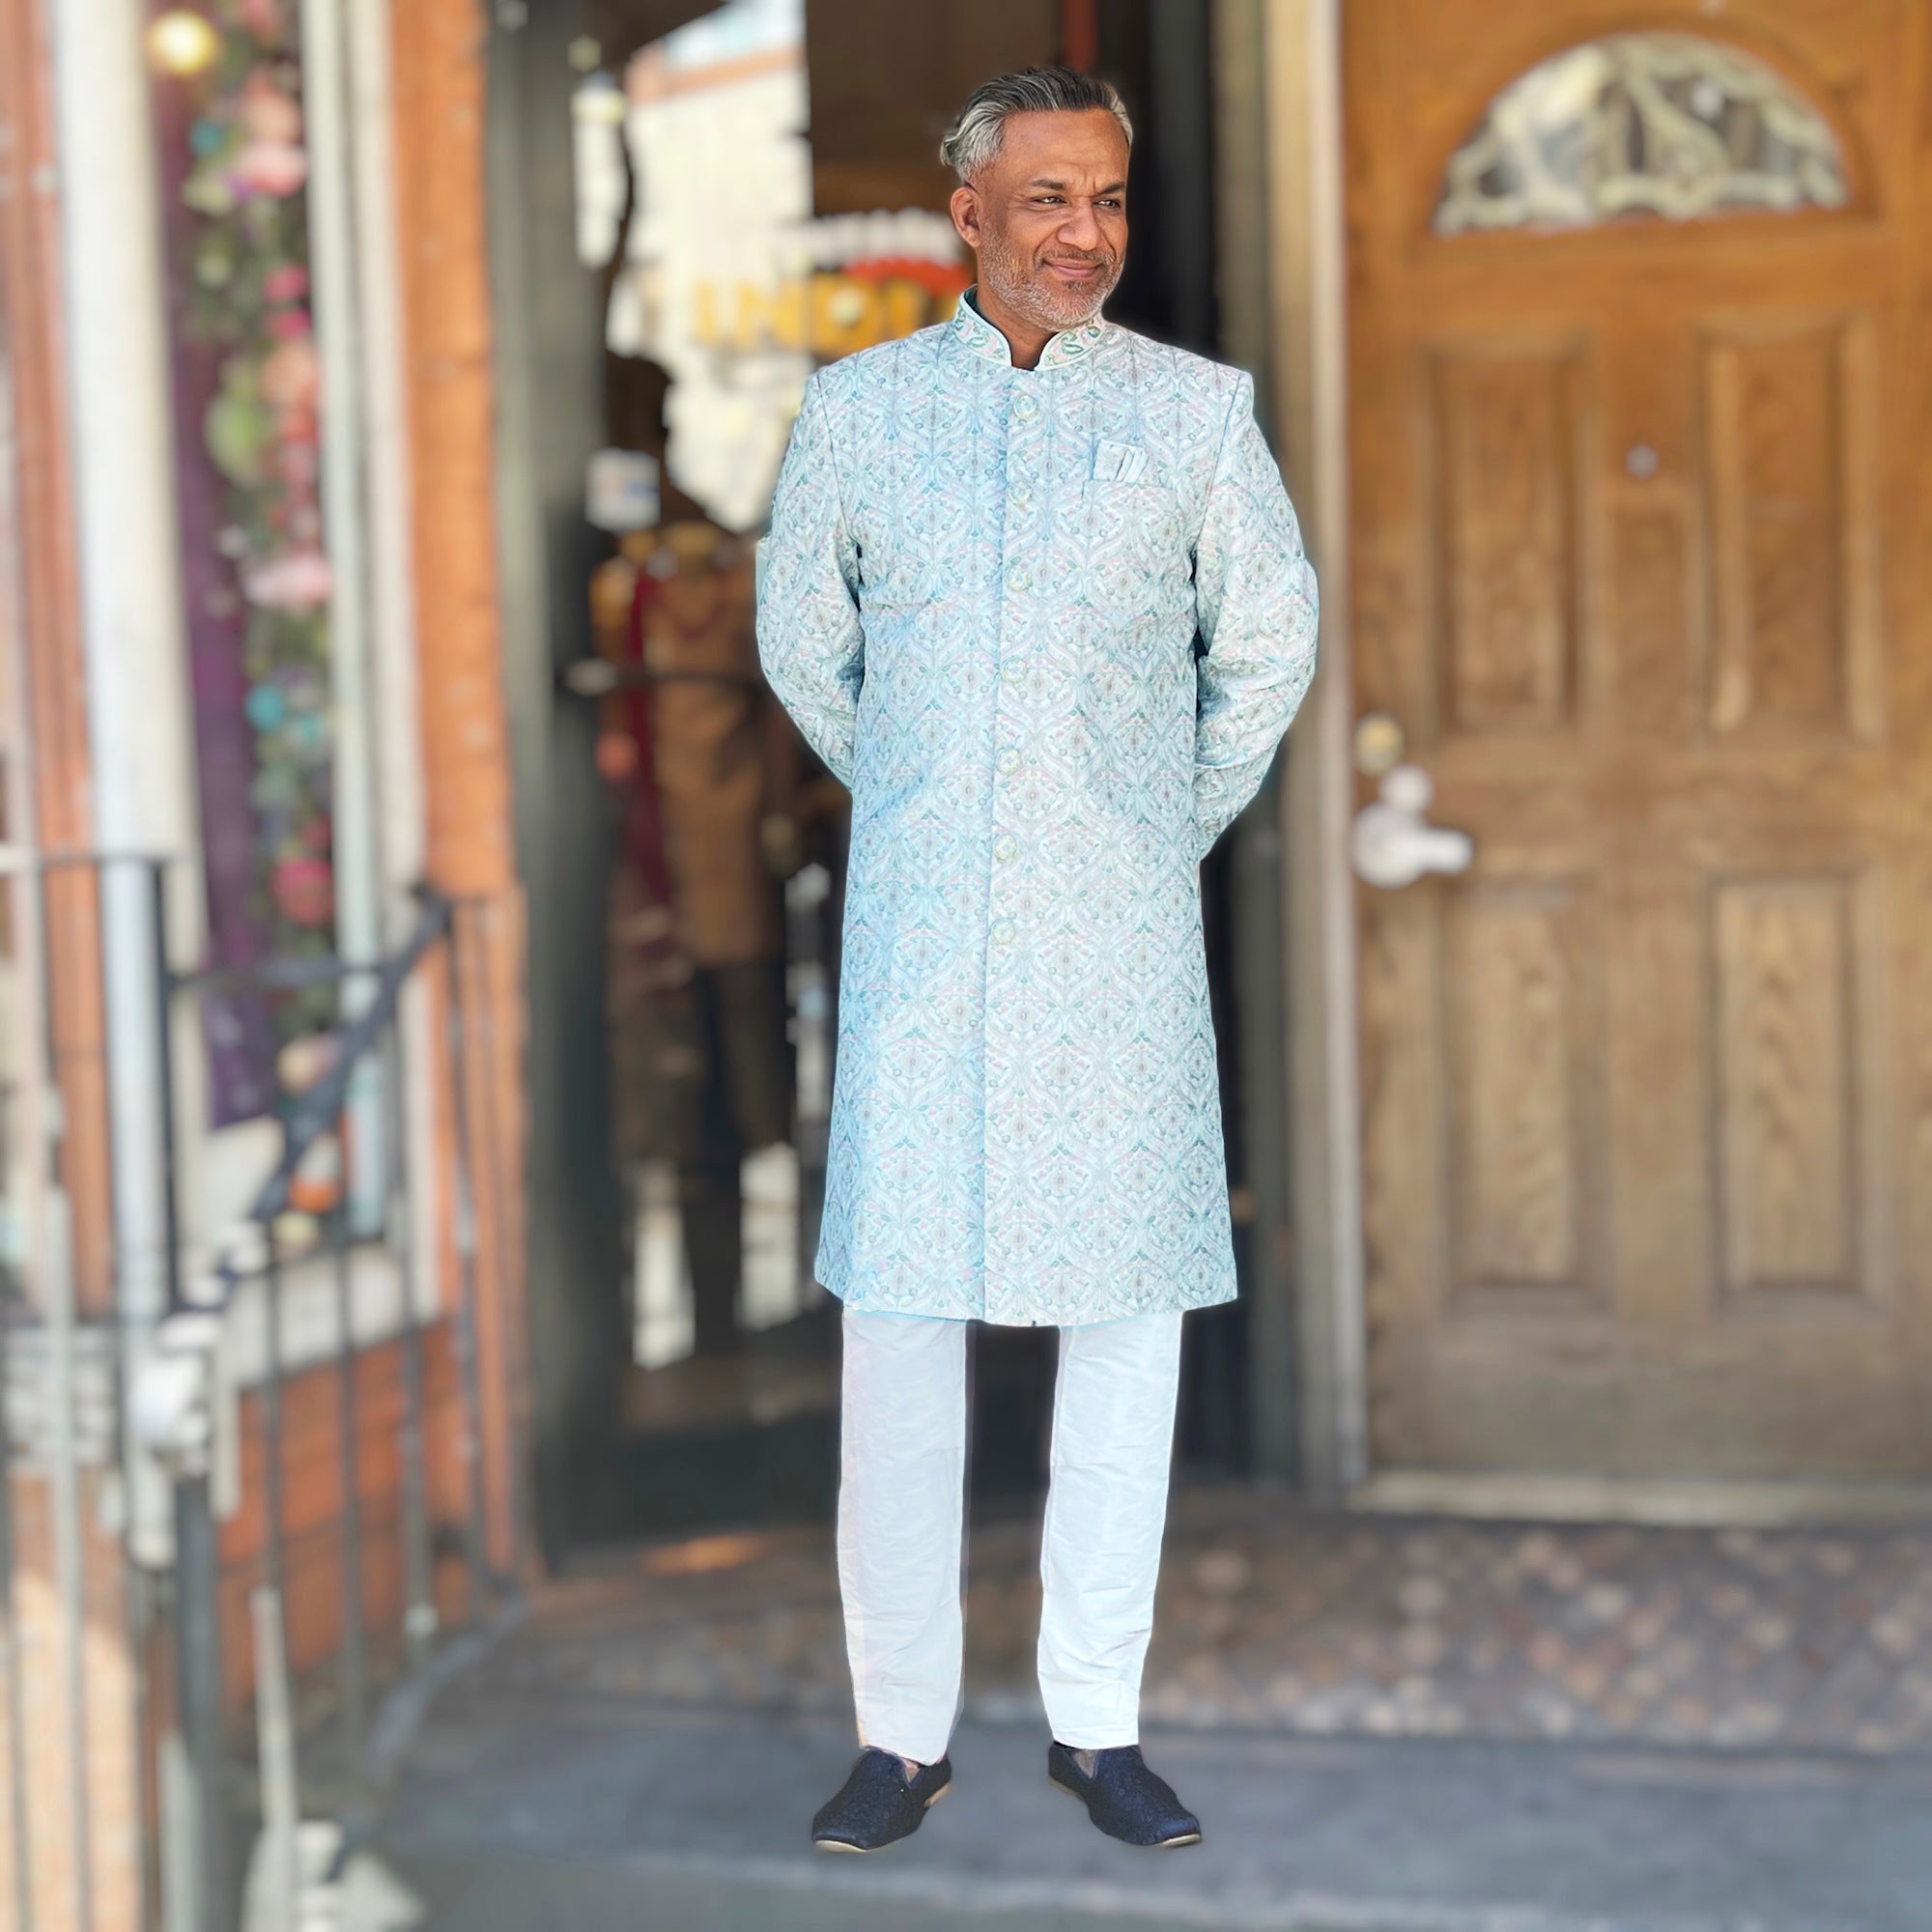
x: 1050, y: 684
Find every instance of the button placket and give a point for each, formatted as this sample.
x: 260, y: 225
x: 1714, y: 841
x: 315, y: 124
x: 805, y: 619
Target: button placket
x: 1025, y: 435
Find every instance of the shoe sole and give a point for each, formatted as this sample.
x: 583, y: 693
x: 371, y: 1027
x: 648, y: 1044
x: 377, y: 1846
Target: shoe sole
x: 866, y: 1850
x: 1172, y: 1844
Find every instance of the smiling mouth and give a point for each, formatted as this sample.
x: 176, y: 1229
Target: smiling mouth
x: 1074, y: 272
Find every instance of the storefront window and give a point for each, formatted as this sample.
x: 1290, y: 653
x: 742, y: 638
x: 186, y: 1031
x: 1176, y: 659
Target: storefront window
x: 729, y: 283
x: 1651, y: 125
x: 726, y: 289
x: 257, y: 578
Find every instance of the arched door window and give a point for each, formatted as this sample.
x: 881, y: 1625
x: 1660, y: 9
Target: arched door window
x: 1657, y: 125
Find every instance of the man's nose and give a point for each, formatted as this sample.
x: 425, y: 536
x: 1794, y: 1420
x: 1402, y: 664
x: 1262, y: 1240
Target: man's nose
x: 1081, y: 228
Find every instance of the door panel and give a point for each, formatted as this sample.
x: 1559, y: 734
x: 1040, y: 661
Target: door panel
x: 1506, y: 483
x: 1784, y: 966
x: 1522, y: 1026
x: 1788, y: 473
x: 1647, y: 1092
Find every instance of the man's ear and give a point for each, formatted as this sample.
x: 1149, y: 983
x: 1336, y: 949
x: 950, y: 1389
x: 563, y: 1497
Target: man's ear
x: 965, y: 211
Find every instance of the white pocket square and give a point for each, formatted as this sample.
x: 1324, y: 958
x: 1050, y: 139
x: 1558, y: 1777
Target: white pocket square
x: 1119, y: 462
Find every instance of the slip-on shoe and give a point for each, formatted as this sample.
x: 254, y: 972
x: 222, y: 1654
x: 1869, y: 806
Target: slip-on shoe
x: 879, y: 1804
x: 1124, y: 1798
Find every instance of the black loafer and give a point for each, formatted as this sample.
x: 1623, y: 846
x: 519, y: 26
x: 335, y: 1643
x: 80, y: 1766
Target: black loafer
x: 879, y: 1804
x: 1126, y: 1798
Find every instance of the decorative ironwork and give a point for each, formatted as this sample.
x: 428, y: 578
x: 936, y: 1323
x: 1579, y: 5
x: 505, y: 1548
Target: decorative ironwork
x: 1646, y: 124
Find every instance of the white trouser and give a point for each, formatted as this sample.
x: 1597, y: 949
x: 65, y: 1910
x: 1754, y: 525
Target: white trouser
x: 900, y: 1507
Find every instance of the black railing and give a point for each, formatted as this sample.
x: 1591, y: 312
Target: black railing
x: 165, y: 1358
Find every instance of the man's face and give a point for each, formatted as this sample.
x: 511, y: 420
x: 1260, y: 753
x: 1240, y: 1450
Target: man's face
x: 1048, y: 216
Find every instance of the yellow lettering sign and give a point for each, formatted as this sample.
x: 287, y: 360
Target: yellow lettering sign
x: 830, y: 315
x: 771, y: 319
x: 845, y: 316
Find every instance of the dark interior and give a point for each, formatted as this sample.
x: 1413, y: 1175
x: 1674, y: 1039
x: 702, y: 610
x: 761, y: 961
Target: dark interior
x: 620, y: 1450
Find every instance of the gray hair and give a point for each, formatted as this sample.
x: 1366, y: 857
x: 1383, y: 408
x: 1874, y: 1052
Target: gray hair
x: 974, y: 139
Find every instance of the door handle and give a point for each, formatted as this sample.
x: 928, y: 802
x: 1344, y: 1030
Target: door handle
x: 1393, y: 844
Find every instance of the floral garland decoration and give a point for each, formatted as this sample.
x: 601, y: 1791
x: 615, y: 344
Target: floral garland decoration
x: 250, y: 298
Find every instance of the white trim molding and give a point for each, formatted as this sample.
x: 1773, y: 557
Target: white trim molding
x: 141, y: 745
x: 1308, y: 289
x: 140, y: 725
x: 393, y: 686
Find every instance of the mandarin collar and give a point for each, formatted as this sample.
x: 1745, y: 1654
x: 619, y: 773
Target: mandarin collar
x: 980, y: 338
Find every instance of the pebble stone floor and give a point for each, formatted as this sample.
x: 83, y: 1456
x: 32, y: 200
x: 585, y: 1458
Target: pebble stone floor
x: 1276, y: 1618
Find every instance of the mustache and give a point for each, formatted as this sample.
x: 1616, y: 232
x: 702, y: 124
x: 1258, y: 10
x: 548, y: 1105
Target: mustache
x: 1099, y: 257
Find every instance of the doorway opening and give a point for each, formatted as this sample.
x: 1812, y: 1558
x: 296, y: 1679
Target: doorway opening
x: 736, y: 195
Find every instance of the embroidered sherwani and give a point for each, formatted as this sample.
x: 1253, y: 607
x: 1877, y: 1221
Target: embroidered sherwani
x: 1049, y: 626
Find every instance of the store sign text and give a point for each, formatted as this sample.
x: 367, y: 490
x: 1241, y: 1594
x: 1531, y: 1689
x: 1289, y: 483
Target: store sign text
x: 824, y: 315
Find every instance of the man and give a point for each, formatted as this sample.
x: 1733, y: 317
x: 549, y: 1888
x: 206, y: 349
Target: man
x: 1035, y: 591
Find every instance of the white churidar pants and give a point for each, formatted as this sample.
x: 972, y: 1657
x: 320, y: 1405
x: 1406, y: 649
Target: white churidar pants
x: 901, y: 1496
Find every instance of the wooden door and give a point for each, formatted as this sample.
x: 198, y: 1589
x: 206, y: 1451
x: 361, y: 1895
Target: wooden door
x: 1639, y: 452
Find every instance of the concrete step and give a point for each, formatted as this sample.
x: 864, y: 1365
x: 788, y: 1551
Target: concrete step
x: 520, y: 1819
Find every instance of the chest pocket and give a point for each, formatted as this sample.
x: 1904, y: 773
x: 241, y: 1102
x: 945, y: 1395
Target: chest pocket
x: 1119, y: 462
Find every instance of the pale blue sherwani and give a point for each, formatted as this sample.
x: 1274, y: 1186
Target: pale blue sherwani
x: 1049, y: 626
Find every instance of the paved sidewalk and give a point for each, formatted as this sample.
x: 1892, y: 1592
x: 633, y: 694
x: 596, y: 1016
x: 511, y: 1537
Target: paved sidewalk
x: 520, y: 1817
x: 1388, y: 1725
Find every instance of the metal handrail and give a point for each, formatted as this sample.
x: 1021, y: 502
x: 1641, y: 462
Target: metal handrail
x: 316, y: 1112
x: 166, y: 1368
x: 253, y: 1252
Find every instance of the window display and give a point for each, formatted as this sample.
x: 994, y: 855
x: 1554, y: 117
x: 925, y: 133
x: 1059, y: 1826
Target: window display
x: 247, y: 385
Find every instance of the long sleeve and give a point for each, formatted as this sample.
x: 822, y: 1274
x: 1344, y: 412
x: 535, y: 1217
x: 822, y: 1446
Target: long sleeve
x: 810, y: 639
x: 1256, y: 604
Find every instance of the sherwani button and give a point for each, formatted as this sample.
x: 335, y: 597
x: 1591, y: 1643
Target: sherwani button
x: 1008, y: 761
x: 1005, y: 847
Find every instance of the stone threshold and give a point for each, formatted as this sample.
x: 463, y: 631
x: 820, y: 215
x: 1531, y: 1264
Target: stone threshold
x: 1642, y: 1501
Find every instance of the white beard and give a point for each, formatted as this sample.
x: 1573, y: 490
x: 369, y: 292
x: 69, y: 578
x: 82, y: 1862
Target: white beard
x: 1040, y: 303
